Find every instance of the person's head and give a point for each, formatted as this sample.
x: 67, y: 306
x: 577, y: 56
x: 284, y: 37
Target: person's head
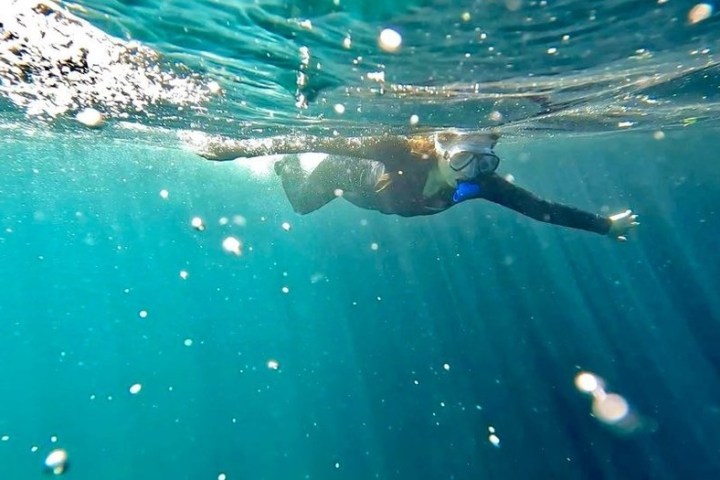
x: 466, y: 157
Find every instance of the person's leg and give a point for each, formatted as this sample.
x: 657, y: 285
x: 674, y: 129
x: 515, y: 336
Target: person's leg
x: 308, y: 191
x: 304, y: 194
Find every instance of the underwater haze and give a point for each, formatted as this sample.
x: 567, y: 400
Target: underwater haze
x: 347, y: 344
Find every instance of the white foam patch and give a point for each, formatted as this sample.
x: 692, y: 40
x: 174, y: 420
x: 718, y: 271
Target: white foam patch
x: 52, y: 63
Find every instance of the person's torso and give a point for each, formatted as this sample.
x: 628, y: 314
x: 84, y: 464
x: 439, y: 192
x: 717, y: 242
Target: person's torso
x: 403, y: 195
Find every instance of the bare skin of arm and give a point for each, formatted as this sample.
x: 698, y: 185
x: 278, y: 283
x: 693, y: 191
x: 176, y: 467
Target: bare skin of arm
x: 389, y: 149
x: 384, y: 148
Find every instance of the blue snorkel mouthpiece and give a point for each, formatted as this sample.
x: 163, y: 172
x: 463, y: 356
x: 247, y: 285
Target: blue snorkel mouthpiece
x: 466, y: 191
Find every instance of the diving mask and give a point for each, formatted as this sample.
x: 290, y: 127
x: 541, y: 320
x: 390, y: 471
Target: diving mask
x: 474, y: 164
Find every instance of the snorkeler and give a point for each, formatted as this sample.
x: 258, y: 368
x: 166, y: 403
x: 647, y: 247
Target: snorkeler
x: 408, y: 176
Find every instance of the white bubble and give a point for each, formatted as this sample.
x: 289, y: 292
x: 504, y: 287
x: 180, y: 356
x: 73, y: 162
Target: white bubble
x: 552, y: 51
x: 188, y: 342
x: 90, y: 118
x: 184, y: 274
x: 347, y: 42
x: 222, y: 476
x: 5, y: 438
x: 700, y: 12
x: 317, y: 277
x: 232, y: 245
x: 513, y: 5
x: 143, y: 314
x: 273, y: 364
x: 494, y: 439
x: 389, y: 40
x: 285, y: 290
x: 214, y: 87
x: 57, y: 460
x: 164, y: 194
x: 304, y: 53
x: 286, y: 226
x: 659, y: 135
x: 587, y: 382
x: 376, y: 76
x: 197, y: 223
x: 337, y: 464
x: 496, y: 116
x: 374, y: 246
x: 339, y: 108
x: 135, y: 389
x: 414, y: 119
x: 610, y: 408
x: 338, y: 192
x: 446, y: 366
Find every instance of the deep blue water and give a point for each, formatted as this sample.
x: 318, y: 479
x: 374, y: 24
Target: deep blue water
x: 400, y: 341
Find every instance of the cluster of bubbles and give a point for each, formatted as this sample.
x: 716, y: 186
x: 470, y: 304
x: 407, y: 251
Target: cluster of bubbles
x: 612, y: 409
x: 53, y: 62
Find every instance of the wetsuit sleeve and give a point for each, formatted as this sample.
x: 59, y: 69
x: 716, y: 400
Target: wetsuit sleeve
x: 308, y: 191
x: 500, y: 191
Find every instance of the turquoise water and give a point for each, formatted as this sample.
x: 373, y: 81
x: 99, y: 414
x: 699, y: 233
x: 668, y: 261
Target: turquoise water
x: 402, y: 344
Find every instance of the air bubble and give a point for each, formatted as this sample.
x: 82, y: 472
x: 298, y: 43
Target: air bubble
x: 232, y: 245
x: 390, y: 40
x: 700, y: 12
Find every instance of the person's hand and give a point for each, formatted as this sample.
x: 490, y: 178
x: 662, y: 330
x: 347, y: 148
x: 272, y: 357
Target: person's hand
x: 621, y: 223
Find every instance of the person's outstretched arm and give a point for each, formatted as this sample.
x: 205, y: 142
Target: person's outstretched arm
x: 383, y: 148
x: 500, y: 191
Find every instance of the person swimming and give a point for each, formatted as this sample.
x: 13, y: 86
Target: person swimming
x: 408, y: 176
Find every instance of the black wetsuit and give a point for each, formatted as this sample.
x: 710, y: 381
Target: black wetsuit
x: 401, y: 192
